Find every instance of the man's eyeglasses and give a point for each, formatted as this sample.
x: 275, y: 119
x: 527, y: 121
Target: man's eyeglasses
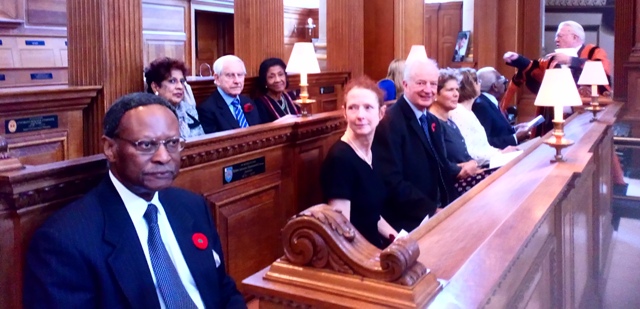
x: 173, y: 145
x: 503, y: 80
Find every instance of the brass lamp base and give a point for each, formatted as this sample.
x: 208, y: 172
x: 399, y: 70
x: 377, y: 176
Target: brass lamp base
x: 595, y: 107
x: 305, y: 106
x: 558, y: 141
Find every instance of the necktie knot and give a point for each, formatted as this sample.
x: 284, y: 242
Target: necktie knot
x: 151, y: 214
x: 423, y: 119
x: 235, y: 102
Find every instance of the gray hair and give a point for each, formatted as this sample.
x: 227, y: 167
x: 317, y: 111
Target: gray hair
x: 413, y: 64
x: 576, y: 28
x: 220, y: 62
x: 487, y: 77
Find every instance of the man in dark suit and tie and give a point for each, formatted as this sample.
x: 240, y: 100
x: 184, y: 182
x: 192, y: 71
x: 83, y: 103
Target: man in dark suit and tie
x: 226, y: 108
x: 133, y: 241
x: 500, y: 133
x: 408, y: 149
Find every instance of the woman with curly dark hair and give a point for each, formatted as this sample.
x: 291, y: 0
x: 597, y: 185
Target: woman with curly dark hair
x: 273, y: 83
x: 165, y: 78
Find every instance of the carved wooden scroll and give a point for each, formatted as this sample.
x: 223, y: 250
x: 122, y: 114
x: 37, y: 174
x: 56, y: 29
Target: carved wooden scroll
x: 322, y: 237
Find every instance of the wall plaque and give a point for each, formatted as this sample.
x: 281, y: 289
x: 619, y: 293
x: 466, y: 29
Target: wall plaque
x: 34, y: 42
x: 243, y: 170
x: 30, y: 124
x: 38, y: 76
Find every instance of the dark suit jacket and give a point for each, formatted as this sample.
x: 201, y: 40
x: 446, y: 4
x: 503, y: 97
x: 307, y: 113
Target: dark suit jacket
x: 215, y: 115
x: 88, y: 255
x: 413, y: 172
x: 499, y: 131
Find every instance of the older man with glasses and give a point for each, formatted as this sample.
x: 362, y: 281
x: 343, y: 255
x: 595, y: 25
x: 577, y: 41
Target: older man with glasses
x: 226, y: 108
x: 486, y: 107
x: 133, y: 241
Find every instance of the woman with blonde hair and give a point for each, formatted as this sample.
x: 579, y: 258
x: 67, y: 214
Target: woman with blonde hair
x: 392, y: 84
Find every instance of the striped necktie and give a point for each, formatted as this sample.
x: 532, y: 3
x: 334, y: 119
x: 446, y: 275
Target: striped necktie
x: 173, y: 292
x: 239, y: 114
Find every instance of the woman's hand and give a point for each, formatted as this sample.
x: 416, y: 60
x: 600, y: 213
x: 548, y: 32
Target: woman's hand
x: 509, y: 149
x: 469, y: 169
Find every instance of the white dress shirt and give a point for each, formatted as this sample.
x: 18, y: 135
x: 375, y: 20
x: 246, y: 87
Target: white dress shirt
x: 474, y: 134
x: 136, y: 207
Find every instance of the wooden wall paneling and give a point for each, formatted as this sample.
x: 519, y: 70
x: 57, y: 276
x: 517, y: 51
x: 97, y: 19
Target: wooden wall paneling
x: 631, y: 15
x: 378, y: 37
x: 449, y: 24
x: 259, y: 32
x: 623, y: 44
x: 165, y: 25
x: 214, y: 39
x: 431, y: 38
x: 528, y: 42
x: 105, y: 48
x: 11, y: 13
x: 48, y: 144
x: 408, y: 26
x: 485, y: 36
x: 47, y: 12
x: 345, y: 33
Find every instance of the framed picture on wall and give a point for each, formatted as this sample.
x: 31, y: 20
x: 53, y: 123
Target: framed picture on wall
x: 460, y: 50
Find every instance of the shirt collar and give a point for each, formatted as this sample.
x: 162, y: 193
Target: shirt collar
x: 491, y: 98
x: 136, y: 206
x: 415, y: 110
x: 227, y: 98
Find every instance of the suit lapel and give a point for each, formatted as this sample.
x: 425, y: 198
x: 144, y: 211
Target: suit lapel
x: 501, y: 116
x: 410, y: 118
x: 250, y: 116
x: 200, y: 261
x: 127, y: 260
x: 225, y: 112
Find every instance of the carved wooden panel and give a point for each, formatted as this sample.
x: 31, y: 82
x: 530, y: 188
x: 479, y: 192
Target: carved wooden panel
x: 408, y: 26
x: 249, y: 223
x: 431, y: 37
x: 105, y: 33
x: 165, y: 28
x: 47, y: 12
x: 449, y: 24
x: 42, y: 148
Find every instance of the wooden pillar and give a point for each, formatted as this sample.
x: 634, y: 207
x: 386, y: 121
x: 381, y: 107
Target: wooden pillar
x: 105, y: 48
x: 345, y: 34
x: 623, y: 45
x: 409, y: 26
x: 628, y: 11
x: 258, y: 32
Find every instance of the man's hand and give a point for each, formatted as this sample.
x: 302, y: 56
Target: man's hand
x: 469, y: 169
x: 560, y: 58
x: 520, y: 126
x: 522, y: 134
x: 510, y: 56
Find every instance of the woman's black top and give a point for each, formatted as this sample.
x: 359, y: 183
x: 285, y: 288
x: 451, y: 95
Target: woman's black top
x: 345, y: 175
x: 454, y: 142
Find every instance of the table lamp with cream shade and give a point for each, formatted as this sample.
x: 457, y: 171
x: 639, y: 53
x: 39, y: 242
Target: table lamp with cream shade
x: 303, y: 61
x: 558, y: 90
x: 417, y: 52
x: 593, y: 74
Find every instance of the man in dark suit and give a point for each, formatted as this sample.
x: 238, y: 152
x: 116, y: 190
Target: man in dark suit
x: 408, y: 148
x: 226, y: 108
x: 500, y: 133
x: 133, y: 241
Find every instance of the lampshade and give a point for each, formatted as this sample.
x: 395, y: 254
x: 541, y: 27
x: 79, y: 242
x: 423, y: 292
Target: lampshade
x: 558, y: 89
x: 303, y: 59
x: 593, y: 74
x: 417, y: 52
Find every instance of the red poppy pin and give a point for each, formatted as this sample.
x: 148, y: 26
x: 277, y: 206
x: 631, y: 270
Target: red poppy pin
x: 200, y: 241
x: 433, y: 127
x: 248, y: 107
